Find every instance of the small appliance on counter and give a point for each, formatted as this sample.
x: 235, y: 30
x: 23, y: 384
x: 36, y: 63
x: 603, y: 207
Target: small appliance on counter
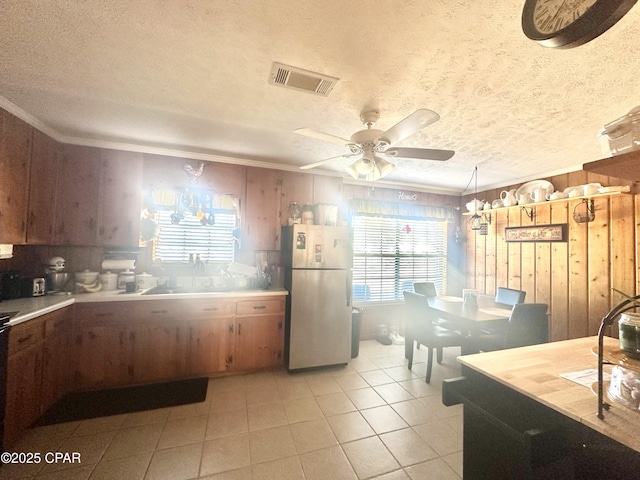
x: 13, y: 285
x: 57, y: 278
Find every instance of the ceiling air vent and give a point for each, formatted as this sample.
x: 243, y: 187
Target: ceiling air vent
x: 299, y: 79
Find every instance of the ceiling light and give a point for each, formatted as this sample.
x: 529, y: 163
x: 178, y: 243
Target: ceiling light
x: 372, y: 168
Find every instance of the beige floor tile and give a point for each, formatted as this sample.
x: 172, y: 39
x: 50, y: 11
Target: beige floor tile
x: 323, y: 385
x: 189, y: 410
x: 414, y: 412
x: 335, y: 403
x: 456, y: 422
x: 328, y: 463
x: 302, y: 410
x: 90, y: 447
x: 351, y: 381
x: 268, y: 415
x: 407, y: 447
x: 80, y: 473
x: 376, y: 377
x: 133, y: 441
x: 243, y: 473
x: 45, y: 437
x: 440, y: 436
x: 271, y: 444
x: 146, y: 417
x: 365, y: 398
x: 350, y: 426
x: 99, y: 425
x: 227, y: 400
x: 177, y: 463
x: 383, y: 419
x: 312, y: 435
x: 436, y: 468
x: 294, y: 390
x: 263, y: 397
x: 262, y: 381
x: 454, y: 460
x: 370, y: 457
x: 419, y: 388
x: 282, y: 469
x: 183, y: 431
x: 10, y: 471
x: 400, y: 373
x: 434, y: 405
x: 223, y: 454
x: 224, y: 424
x: 131, y: 467
x: 392, y: 393
x: 362, y: 364
x: 234, y: 383
x: 395, y: 475
x: 390, y: 361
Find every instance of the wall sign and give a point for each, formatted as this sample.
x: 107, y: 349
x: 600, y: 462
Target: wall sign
x: 412, y: 197
x: 537, y: 233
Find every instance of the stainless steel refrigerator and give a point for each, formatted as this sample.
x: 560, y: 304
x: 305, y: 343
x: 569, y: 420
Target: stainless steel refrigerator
x: 317, y: 264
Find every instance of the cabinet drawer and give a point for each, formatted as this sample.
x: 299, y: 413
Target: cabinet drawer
x: 160, y: 310
x: 203, y: 309
x: 259, y: 307
x: 26, y: 334
x: 56, y: 322
x: 103, y: 313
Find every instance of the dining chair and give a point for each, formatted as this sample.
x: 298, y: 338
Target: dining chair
x: 428, y: 289
x: 510, y: 296
x: 528, y: 325
x: 420, y: 328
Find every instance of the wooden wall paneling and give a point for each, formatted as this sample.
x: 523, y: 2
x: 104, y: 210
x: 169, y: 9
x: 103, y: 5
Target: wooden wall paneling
x: 260, y: 224
x: 599, y: 255
x: 542, y: 276
x: 559, y: 292
x: 528, y: 259
x: 296, y: 187
x: 502, y: 249
x: 490, y: 257
x: 471, y: 277
x: 514, y: 249
x: 578, y: 277
x: 327, y: 190
x: 77, y: 198
x: 15, y: 161
x: 42, y: 189
x: 623, y: 244
x: 481, y: 259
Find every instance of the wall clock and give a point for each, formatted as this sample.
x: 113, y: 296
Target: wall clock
x: 570, y: 23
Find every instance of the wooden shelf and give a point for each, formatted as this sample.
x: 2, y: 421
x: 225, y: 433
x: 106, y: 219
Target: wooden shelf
x: 530, y: 205
x: 625, y: 166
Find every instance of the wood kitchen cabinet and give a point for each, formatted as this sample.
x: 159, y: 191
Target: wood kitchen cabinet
x: 55, y: 361
x: 15, y: 159
x: 120, y: 198
x: 261, y: 225
x: 211, y: 343
x: 259, y: 333
x: 103, y: 348
x: 42, y: 190
x: 24, y: 379
x: 158, y: 341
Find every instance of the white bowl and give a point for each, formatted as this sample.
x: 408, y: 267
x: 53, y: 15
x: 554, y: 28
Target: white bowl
x: 86, y: 277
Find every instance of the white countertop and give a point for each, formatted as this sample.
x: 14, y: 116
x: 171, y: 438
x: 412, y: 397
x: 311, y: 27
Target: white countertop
x: 32, y: 307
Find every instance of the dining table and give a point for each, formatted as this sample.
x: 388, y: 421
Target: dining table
x: 471, y: 319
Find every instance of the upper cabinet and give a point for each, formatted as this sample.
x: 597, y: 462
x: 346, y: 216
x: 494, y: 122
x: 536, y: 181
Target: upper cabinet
x: 15, y: 157
x: 42, y: 190
x: 625, y: 166
x: 120, y: 198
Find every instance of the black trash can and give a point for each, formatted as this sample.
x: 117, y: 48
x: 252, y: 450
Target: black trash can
x: 356, y: 322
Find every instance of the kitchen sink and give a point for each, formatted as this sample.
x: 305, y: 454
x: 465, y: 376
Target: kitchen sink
x: 163, y: 290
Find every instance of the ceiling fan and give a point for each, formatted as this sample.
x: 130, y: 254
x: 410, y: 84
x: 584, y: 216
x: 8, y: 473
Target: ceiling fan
x: 371, y: 143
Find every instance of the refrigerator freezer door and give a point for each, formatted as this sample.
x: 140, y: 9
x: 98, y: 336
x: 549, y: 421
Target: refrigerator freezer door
x: 320, y: 319
x: 316, y: 246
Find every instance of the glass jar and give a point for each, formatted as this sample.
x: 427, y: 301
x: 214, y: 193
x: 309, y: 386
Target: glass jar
x: 629, y: 332
x: 294, y: 213
x: 307, y: 214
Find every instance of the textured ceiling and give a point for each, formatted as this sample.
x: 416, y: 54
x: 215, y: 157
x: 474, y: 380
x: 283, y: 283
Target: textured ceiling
x: 192, y: 76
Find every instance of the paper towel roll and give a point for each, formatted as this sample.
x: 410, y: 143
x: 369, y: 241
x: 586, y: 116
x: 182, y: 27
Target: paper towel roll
x: 114, y: 264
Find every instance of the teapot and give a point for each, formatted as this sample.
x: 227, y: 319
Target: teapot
x: 509, y: 197
x: 475, y: 205
x: 525, y: 198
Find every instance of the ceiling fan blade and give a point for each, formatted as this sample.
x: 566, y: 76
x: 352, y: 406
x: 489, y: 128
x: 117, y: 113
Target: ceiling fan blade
x: 327, y: 160
x: 307, y: 132
x: 410, y: 125
x: 419, y: 153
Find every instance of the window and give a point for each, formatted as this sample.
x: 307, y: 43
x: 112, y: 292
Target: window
x: 389, y: 254
x: 214, y: 243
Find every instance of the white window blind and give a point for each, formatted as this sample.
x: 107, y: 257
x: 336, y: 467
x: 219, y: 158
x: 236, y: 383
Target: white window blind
x: 214, y: 243
x: 389, y: 254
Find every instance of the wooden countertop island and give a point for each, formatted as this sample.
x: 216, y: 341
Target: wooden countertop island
x: 522, y: 419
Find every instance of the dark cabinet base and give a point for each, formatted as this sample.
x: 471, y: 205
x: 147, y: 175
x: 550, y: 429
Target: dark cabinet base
x: 510, y: 436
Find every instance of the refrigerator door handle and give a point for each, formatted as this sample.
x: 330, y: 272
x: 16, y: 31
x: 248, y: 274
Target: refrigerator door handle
x: 348, y: 285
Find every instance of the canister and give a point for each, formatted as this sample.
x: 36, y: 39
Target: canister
x: 109, y: 280
x: 629, y: 328
x: 125, y: 277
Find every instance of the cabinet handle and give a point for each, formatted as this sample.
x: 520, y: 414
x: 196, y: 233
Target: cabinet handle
x: 211, y: 309
x: 158, y: 311
x: 106, y: 314
x: 24, y: 339
x: 239, y: 329
x: 259, y: 307
x: 279, y: 325
x: 231, y: 328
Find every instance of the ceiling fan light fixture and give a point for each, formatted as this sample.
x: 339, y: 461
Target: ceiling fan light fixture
x: 353, y: 171
x: 384, y: 167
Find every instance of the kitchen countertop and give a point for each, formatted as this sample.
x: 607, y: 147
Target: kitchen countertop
x: 32, y: 307
x: 535, y: 372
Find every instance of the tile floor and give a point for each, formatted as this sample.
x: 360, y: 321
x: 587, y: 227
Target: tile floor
x: 371, y: 419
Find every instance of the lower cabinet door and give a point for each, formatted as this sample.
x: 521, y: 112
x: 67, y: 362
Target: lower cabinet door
x: 159, y: 351
x: 211, y: 346
x: 259, y: 342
